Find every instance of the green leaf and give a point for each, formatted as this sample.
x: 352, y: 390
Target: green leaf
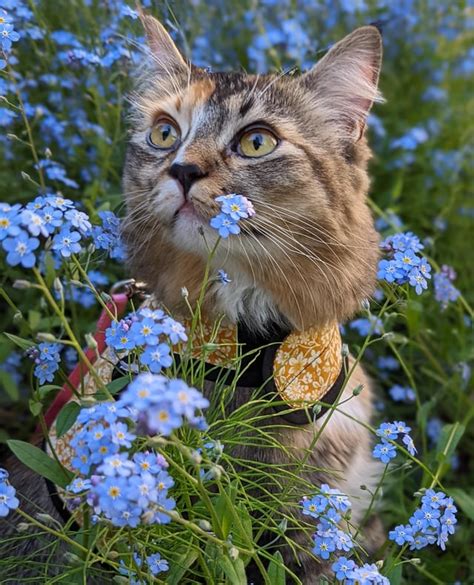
x: 117, y: 385
x: 395, y: 575
x: 276, y: 570
x: 464, y: 500
x: 223, y: 508
x: 35, y: 407
x: 22, y: 343
x: 50, y: 271
x: 37, y: 460
x: 448, y: 441
x: 234, y: 570
x: 244, y: 534
x: 180, y: 566
x: 47, y: 388
x: 67, y: 417
x: 7, y: 384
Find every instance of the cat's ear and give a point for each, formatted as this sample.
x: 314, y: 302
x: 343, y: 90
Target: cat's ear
x: 344, y: 82
x: 164, y: 53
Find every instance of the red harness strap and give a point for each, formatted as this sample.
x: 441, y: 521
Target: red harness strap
x: 116, y: 306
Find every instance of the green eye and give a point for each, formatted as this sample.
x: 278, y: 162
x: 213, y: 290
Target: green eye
x: 164, y: 135
x: 257, y: 142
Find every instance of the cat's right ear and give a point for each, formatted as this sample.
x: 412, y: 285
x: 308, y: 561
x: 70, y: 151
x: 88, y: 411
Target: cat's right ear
x: 164, y: 53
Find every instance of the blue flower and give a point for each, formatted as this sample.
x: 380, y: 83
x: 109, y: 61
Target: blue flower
x: 223, y: 277
x: 66, y: 242
x: 417, y: 280
x: 8, y: 499
x: 367, y: 574
x: 157, y: 357
x: 185, y: 400
x: 323, y: 546
x: 149, y: 461
x: 236, y: 207
x: 342, y: 567
x: 52, y: 218
x: 445, y: 291
x: 120, y: 435
x: 79, y: 220
x: 174, y: 330
x: 434, y: 499
x: 9, y: 222
x: 225, y: 225
x: 367, y: 326
x: 389, y: 270
x: 20, y: 250
x: 79, y: 485
x: 156, y: 564
x: 409, y: 444
x: 387, y: 431
x: 117, y: 464
x: 7, y: 36
x: 384, y: 451
x: 119, y: 337
x: 402, y: 393
x: 146, y: 332
x: 401, y: 534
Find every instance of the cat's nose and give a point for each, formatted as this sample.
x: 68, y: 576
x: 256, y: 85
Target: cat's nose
x: 186, y: 174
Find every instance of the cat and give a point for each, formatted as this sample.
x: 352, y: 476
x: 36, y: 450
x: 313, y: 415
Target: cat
x: 295, y: 146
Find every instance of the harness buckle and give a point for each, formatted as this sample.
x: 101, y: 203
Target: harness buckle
x: 130, y: 287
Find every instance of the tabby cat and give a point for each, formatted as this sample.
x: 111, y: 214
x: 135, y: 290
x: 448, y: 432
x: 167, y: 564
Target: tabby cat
x: 295, y: 146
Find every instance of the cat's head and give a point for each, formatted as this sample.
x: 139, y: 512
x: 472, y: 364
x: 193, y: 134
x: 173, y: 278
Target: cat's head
x: 294, y: 145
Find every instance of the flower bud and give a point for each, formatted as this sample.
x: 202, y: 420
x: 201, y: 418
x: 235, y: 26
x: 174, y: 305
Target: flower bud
x: 366, y: 305
x: 344, y: 350
x: 58, y: 287
x: 234, y: 553
x: 21, y: 284
x: 105, y: 297
x: 184, y: 292
x: 48, y: 337
x: 46, y: 519
x: 17, y: 317
x: 90, y: 341
x: 317, y: 409
x: 205, y: 525
x: 48, y: 153
x: 357, y: 390
x: 23, y: 526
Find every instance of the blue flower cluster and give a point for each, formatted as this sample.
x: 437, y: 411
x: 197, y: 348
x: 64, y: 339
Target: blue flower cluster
x: 8, y: 499
x: 348, y: 572
x: 46, y: 357
x: 54, y: 221
x: 154, y: 565
x: 385, y: 450
x: 445, y: 291
x: 147, y: 330
x: 8, y: 35
x: 329, y: 507
x: 123, y: 488
x: 161, y: 405
x: 402, y: 393
x: 233, y: 209
x: 431, y: 523
x: 365, y: 326
x: 405, y: 265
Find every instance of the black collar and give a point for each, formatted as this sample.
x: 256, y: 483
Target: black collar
x: 256, y: 371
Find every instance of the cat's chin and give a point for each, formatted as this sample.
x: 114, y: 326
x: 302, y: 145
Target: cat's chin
x: 189, y: 232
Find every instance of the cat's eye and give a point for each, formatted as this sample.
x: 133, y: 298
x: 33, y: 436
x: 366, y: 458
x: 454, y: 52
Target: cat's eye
x: 164, y: 134
x: 257, y: 142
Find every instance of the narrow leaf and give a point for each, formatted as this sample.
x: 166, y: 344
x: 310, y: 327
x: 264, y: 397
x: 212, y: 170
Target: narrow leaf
x: 276, y: 570
x: 67, y: 417
x: 37, y: 460
x: 19, y: 341
x: 7, y: 385
x: 448, y: 441
x: 464, y: 500
x: 117, y: 385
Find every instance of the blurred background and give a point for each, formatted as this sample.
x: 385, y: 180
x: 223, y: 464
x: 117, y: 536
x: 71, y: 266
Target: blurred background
x: 63, y: 105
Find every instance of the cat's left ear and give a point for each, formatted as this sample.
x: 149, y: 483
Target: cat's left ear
x: 344, y: 82
x: 166, y: 57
